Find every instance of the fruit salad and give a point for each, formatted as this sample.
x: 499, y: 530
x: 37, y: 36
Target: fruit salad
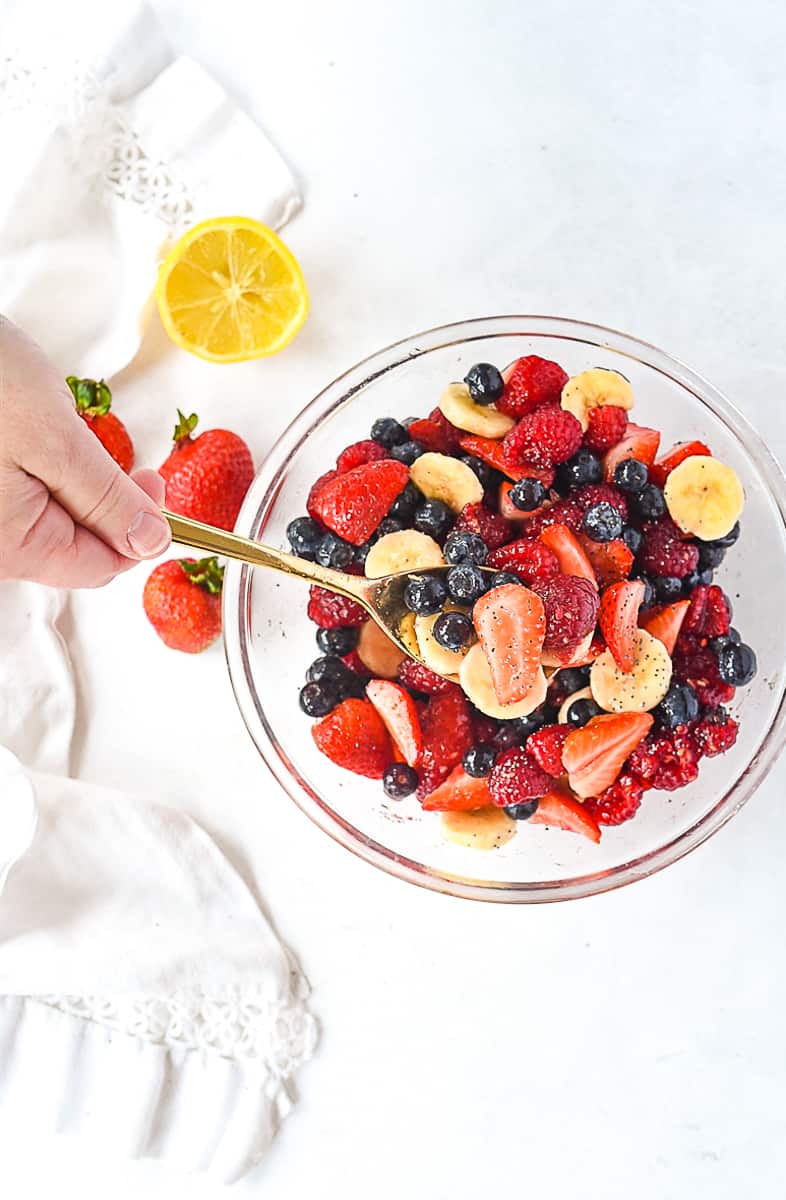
x: 576, y: 653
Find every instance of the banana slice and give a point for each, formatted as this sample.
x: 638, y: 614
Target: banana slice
x: 594, y: 389
x: 441, y: 477
x: 378, y: 652
x: 405, y: 550
x: 475, y: 679
x: 704, y: 497
x: 483, y: 829
x: 461, y: 410
x: 638, y: 690
x: 444, y: 662
x: 582, y: 694
x: 406, y: 631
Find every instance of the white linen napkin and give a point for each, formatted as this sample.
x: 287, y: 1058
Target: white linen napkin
x: 134, y: 962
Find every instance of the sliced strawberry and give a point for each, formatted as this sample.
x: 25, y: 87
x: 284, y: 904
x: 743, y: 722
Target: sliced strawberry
x: 450, y: 432
x: 662, y: 468
x: 447, y: 735
x: 594, y: 755
x: 431, y: 435
x: 316, y: 487
x: 400, y: 717
x: 665, y: 622
x: 353, y: 504
x: 611, y: 561
x: 359, y: 453
x: 508, y: 509
x: 354, y: 737
x: 491, y: 452
x: 560, y: 810
x: 459, y: 793
x: 571, y: 556
x: 545, y: 746
x: 618, y: 617
x: 511, y: 624
x: 639, y: 443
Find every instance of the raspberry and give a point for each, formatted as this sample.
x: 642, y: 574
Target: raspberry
x: 414, y: 675
x: 316, y: 487
x: 527, y: 558
x: 451, y: 434
x: 601, y: 493
x: 359, y: 453
x: 564, y: 512
x: 493, y: 528
x: 697, y: 612
x: 533, y: 381
x: 356, y: 664
x: 331, y: 610
x: 447, y: 735
x: 516, y: 777
x: 663, y: 551
x: 718, y: 617
x: 716, y: 733
x: 619, y: 802
x: 571, y: 606
x: 545, y: 746
x: 667, y: 760
x: 607, y: 426
x: 699, y: 668
x: 543, y: 438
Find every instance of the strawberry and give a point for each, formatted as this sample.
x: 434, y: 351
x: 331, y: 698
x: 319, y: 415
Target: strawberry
x: 662, y: 468
x: 182, y: 601
x: 359, y: 453
x: 510, y: 622
x: 663, y: 551
x: 431, y: 435
x: 545, y: 745
x: 93, y: 400
x: 607, y: 426
x: 529, y: 383
x: 352, y: 505
x: 570, y: 555
x: 447, y: 735
x: 665, y: 621
x: 400, y: 717
x: 564, y: 512
x: 516, y: 777
x: 494, y: 529
x: 451, y: 434
x: 508, y: 509
x: 208, y: 476
x: 419, y: 678
x: 618, y: 618
x: 618, y: 803
x: 611, y: 561
x: 354, y: 737
x: 543, y: 438
x: 639, y: 443
x: 493, y: 453
x: 459, y: 793
x: 531, y: 560
x: 594, y: 755
x: 331, y: 611
x: 571, y: 607
x: 316, y: 487
x: 561, y: 810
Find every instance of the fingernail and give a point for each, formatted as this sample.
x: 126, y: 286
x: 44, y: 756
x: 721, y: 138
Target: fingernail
x: 148, y: 535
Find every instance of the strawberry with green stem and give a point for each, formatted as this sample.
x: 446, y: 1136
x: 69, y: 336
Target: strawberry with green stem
x: 93, y: 401
x: 207, y: 476
x: 182, y: 601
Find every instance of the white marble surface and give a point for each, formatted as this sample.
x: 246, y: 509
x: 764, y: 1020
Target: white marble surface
x: 622, y: 164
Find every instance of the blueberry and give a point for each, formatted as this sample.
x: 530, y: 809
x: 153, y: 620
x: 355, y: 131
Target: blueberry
x: 452, y: 630
x: 732, y: 638
x: 503, y: 577
x: 464, y: 547
x: 479, y: 468
x: 485, y: 383
x: 694, y: 579
x: 528, y: 494
x: 479, y: 760
x: 407, y: 452
x: 523, y: 811
x: 572, y: 679
x: 318, y: 699
x: 388, y: 432
x: 466, y: 583
x: 434, y: 518
x: 399, y: 780
x: 632, y: 539
x: 631, y: 475
x: 582, y: 711
x: 737, y: 664
x: 304, y: 536
x: 534, y: 720
x: 728, y: 539
x: 333, y: 551
x: 678, y: 706
x: 649, y: 592
x: 585, y: 467
x: 506, y: 737
x: 330, y: 670
x: 711, y: 555
x: 403, y: 507
x: 338, y: 641
x: 602, y: 522
x: 361, y: 551
x: 667, y: 587
x: 649, y: 503
x: 389, y: 525
x: 425, y: 595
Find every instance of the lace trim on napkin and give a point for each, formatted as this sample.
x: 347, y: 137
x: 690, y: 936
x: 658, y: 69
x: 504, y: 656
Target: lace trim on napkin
x: 99, y: 136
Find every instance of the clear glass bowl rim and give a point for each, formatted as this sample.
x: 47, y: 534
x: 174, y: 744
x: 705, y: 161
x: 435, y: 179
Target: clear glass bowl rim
x: 262, y: 497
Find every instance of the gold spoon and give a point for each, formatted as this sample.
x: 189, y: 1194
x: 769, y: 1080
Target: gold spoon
x: 383, y: 599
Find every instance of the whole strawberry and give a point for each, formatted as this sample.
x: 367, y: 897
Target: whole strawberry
x: 93, y: 402
x: 182, y: 601
x: 207, y: 476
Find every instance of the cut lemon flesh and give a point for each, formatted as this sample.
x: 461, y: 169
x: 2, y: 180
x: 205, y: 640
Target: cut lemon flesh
x: 229, y: 290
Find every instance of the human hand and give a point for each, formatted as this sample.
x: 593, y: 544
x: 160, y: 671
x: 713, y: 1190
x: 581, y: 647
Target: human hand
x: 69, y: 516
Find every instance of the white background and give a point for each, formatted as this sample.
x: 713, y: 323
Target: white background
x: 618, y: 163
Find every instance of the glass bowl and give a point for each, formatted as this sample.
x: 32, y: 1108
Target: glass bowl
x: 270, y: 642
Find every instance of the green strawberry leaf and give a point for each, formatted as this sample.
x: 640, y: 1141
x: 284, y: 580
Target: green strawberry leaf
x: 185, y: 427
x: 92, y: 396
x: 206, y: 574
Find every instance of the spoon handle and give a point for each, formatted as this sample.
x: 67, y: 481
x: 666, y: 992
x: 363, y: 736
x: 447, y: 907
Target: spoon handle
x: 232, y: 545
